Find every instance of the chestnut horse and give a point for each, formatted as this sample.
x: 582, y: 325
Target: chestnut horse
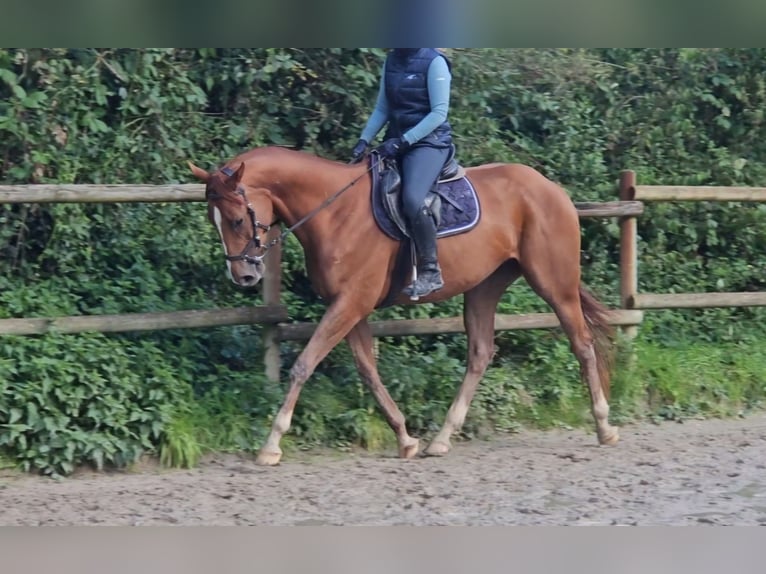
x: 529, y: 227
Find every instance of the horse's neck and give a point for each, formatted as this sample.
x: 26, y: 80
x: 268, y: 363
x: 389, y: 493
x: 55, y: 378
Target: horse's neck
x: 302, y: 185
x: 316, y: 187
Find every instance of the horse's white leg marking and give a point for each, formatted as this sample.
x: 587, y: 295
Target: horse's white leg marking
x: 218, y: 218
x: 607, y: 434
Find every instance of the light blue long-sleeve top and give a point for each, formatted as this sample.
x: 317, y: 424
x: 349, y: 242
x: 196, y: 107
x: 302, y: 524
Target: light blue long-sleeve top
x: 439, y: 80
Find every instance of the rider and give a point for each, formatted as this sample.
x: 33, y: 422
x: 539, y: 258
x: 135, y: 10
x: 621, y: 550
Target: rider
x: 413, y: 100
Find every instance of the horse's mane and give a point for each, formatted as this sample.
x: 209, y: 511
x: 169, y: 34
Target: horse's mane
x: 277, y: 153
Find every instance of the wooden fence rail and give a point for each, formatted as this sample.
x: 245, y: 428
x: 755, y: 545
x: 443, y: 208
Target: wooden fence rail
x: 697, y: 193
x: 438, y: 325
x: 122, y: 323
x: 126, y: 193
x: 697, y: 300
x: 82, y: 193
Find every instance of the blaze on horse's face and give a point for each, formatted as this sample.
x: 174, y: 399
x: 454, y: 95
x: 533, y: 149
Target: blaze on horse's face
x: 237, y: 215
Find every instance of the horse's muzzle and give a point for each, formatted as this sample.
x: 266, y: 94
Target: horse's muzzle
x: 247, y: 273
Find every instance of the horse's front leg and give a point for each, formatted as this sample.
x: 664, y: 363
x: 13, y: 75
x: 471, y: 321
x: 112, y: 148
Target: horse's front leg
x: 337, y: 321
x: 361, y: 343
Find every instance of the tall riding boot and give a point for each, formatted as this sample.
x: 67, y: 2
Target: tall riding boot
x: 429, y: 279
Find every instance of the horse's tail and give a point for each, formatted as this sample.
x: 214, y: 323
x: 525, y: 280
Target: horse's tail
x: 596, y: 317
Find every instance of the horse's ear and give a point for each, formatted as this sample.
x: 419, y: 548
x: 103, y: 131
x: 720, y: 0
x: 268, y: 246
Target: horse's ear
x: 240, y: 172
x: 198, y: 172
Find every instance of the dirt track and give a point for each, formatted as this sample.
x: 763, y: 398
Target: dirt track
x: 698, y: 472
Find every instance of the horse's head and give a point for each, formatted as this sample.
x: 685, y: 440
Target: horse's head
x: 234, y: 209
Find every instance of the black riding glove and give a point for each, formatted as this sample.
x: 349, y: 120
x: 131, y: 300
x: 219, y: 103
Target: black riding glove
x: 392, y: 148
x: 358, y: 152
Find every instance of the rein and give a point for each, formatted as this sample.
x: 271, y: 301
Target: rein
x: 256, y: 242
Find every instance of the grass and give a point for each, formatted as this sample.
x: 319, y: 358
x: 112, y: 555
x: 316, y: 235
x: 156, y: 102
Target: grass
x: 202, y: 429
x: 700, y: 380
x: 180, y: 447
x: 7, y: 464
x: 650, y: 381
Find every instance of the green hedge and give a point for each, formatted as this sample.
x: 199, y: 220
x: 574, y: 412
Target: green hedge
x: 66, y: 400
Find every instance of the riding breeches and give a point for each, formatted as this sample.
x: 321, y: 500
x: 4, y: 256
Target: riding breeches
x: 420, y: 166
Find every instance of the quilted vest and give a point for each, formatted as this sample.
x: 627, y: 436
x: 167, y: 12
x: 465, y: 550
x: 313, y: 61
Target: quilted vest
x: 407, y: 95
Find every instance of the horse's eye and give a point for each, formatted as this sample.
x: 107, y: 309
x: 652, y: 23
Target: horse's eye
x: 238, y: 222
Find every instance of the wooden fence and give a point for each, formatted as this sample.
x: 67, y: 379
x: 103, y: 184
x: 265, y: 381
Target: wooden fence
x: 630, y: 297
x: 273, y: 315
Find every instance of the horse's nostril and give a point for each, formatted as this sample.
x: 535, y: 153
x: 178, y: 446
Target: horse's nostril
x: 247, y: 279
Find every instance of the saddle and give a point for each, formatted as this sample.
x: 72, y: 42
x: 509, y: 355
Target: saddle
x: 452, y: 200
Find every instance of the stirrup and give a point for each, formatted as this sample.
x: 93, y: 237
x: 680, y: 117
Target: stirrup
x: 418, y: 289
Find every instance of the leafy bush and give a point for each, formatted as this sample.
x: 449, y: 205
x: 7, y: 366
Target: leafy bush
x: 72, y: 400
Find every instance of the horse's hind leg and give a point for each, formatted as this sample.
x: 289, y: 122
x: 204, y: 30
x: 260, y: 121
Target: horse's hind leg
x: 360, y: 341
x: 562, y: 291
x: 479, y: 308
x: 573, y: 322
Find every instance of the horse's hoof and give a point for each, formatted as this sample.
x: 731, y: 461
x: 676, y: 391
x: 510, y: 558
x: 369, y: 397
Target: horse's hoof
x: 437, y: 448
x: 268, y: 458
x: 409, y: 450
x: 610, y: 437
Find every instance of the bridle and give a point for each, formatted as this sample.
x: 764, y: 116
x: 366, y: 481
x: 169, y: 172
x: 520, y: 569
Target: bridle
x: 255, y: 241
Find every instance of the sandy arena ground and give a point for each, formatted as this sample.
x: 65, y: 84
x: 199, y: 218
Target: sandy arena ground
x: 695, y: 473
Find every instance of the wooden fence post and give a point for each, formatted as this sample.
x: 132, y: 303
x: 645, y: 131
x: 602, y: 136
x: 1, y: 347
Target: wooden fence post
x: 628, y: 250
x: 272, y: 287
